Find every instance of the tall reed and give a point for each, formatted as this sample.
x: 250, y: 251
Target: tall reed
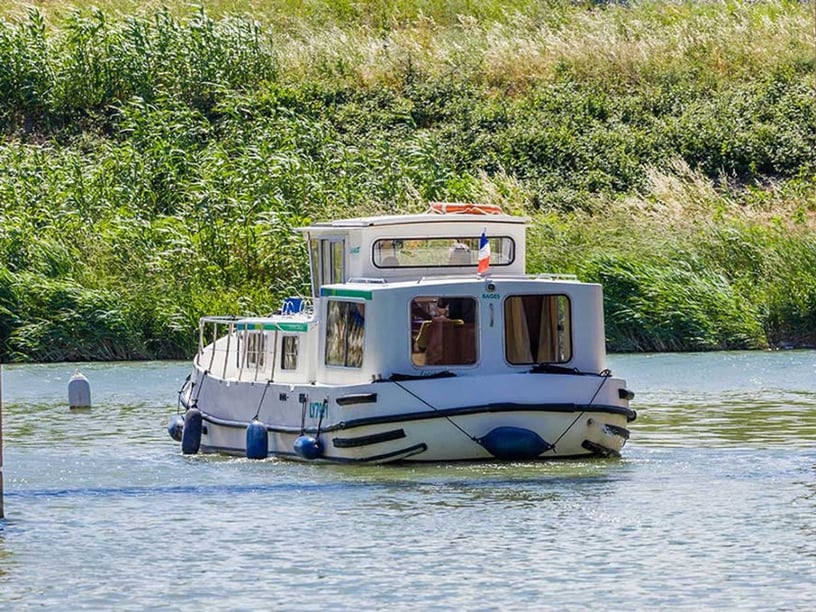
x: 156, y: 162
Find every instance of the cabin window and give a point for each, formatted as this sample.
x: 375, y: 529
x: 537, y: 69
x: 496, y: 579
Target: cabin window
x: 337, y: 253
x: 255, y: 348
x: 443, y: 331
x: 327, y: 261
x: 289, y: 352
x: 331, y: 255
x: 314, y: 257
x: 537, y: 329
x: 455, y: 251
x: 345, y: 333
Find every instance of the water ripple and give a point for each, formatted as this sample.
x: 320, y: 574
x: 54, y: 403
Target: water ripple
x: 711, y: 507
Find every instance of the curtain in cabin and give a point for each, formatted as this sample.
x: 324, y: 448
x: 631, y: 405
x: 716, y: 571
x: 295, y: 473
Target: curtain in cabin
x: 516, y: 331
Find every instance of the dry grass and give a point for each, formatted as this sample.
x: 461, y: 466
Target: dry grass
x: 509, y: 46
x: 679, y: 196
x: 635, y: 44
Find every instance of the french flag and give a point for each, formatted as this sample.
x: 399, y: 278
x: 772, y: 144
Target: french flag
x: 484, y: 254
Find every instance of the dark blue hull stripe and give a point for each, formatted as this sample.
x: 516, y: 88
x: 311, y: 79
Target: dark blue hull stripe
x: 599, y: 449
x: 396, y: 455
x: 386, y: 436
x: 361, y: 398
x: 434, y: 414
x: 486, y: 409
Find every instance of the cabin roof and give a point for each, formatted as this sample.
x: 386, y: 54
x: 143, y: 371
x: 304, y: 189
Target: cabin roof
x: 450, y: 284
x: 425, y: 218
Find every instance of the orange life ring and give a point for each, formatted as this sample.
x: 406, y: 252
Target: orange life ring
x: 465, y: 208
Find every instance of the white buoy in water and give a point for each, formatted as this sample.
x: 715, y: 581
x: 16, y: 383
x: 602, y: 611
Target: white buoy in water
x: 79, y: 391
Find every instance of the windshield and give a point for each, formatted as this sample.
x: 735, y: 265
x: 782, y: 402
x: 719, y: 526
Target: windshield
x: 440, y: 252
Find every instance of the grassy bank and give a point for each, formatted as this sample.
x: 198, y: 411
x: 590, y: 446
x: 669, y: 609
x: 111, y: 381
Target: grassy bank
x: 157, y: 158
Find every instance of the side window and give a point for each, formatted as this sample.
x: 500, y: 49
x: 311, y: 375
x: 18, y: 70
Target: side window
x: 255, y: 348
x: 314, y: 256
x: 345, y: 333
x: 328, y: 259
x: 337, y: 254
x: 325, y: 262
x: 537, y: 329
x: 443, y: 331
x: 289, y: 352
x: 387, y: 252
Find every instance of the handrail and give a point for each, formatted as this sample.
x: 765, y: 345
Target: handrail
x: 247, y: 339
x: 226, y: 351
x: 274, y: 355
x: 212, y: 356
x: 363, y: 280
x: 200, y: 342
x: 243, y: 352
x: 495, y: 277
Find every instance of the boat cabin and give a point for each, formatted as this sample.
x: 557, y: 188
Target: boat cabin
x: 402, y: 296
x: 392, y: 248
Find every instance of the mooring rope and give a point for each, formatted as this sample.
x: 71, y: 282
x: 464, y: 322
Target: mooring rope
x: 194, y: 401
x: 263, y: 395
x: 606, y: 374
x: 435, y: 409
x: 303, y: 403
x: 180, y: 391
x: 323, y: 410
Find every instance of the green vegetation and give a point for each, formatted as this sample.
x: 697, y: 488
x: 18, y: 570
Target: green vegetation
x: 157, y: 158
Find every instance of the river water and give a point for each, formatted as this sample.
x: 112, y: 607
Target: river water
x: 713, y: 505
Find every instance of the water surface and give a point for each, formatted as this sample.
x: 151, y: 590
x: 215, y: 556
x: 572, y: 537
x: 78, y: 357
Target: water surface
x: 712, y: 506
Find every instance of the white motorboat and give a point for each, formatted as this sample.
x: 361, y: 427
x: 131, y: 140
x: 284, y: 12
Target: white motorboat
x: 423, y: 340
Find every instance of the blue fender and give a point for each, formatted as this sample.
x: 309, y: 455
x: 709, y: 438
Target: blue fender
x: 176, y: 427
x: 257, y: 440
x: 308, y: 447
x: 514, y: 443
x: 191, y: 435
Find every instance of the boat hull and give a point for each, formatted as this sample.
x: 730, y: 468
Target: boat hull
x: 456, y: 419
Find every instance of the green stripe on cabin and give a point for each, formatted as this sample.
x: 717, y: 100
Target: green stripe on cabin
x: 348, y: 293
x: 293, y: 327
x: 286, y: 327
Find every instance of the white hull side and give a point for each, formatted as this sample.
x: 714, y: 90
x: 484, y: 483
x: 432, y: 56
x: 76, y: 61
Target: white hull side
x: 417, y: 420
